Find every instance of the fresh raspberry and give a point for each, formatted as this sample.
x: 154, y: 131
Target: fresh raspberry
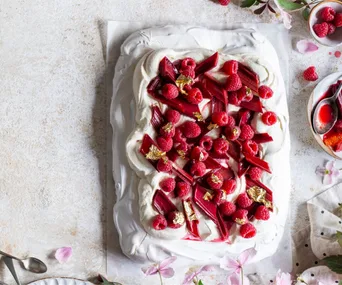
x: 262, y: 213
x: 233, y: 133
x: 198, y: 153
x: 220, y: 118
x: 265, y: 92
x: 233, y: 98
x: 331, y: 28
x: 159, y: 222
x: 170, y: 91
x: 198, y: 169
x: 240, y: 216
x: 164, y: 165
x: 165, y: 144
x: 215, y: 180
x: 224, y: 2
x: 191, y: 129
x: 182, y: 147
x: 250, y: 147
x: 194, y: 96
x: 233, y: 83
x: 178, y: 137
x: 231, y: 122
x: 206, y: 142
x: 229, y: 186
x: 167, y: 131
x: 310, y: 74
x: 327, y: 14
x: 247, y: 133
x: 321, y: 30
x: 247, y: 230
x: 338, y: 20
x: 244, y: 201
x: 172, y: 116
x: 269, y: 118
x: 219, y: 197
x: 220, y: 146
x: 182, y: 189
x: 255, y: 172
x: 188, y: 72
x: 230, y: 67
x: 188, y: 62
x: 168, y: 184
x: 245, y: 94
x: 175, y: 219
x: 227, y: 209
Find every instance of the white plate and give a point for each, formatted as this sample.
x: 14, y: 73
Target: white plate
x: 60, y: 281
x: 315, y: 96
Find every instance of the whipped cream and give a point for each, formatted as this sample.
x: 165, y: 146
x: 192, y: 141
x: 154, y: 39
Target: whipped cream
x: 133, y: 211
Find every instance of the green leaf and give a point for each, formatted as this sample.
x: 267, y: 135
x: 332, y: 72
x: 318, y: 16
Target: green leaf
x: 334, y: 263
x: 260, y: 10
x: 106, y: 282
x: 289, y: 5
x: 339, y: 238
x: 305, y: 13
x: 200, y: 282
x: 340, y: 283
x: 248, y: 3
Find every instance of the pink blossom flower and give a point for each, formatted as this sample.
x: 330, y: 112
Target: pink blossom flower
x: 235, y: 266
x: 283, y: 278
x: 189, y: 277
x: 161, y: 268
x: 329, y: 172
x: 63, y: 254
x: 286, y: 17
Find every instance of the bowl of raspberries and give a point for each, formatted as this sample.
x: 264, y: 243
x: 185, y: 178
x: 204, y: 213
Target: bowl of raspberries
x: 325, y: 23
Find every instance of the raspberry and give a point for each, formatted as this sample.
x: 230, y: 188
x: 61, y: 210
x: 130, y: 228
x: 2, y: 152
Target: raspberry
x: 221, y: 146
x: 233, y: 98
x: 240, y: 216
x: 338, y: 20
x: 178, y: 137
x: 175, y: 219
x: 182, y: 189
x: 188, y: 72
x: 194, y: 96
x: 159, y: 222
x: 231, y: 122
x: 165, y: 144
x: 191, y: 129
x: 188, y: 63
x: 229, y: 186
x: 182, y: 147
x: 250, y: 147
x: 233, y: 133
x: 164, y: 165
x: 170, y: 91
x: 327, y: 14
x: 227, y: 209
x: 233, y: 83
x: 168, y: 184
x: 198, y: 169
x: 265, y: 92
x: 245, y: 94
x: 172, y: 116
x: 247, y: 230
x: 255, y: 172
x: 224, y: 2
x: 199, y: 154
x: 244, y: 201
x: 206, y: 142
x: 310, y: 74
x: 321, y: 30
x: 230, y: 67
x: 262, y: 213
x: 220, y: 118
x: 269, y: 118
x: 219, y: 197
x: 331, y: 28
x: 215, y: 180
x: 247, y: 132
x: 168, y: 130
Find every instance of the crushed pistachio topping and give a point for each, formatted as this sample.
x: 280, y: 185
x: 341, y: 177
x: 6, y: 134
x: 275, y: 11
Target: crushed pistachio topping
x: 155, y: 153
x: 181, y: 153
x: 240, y: 221
x: 198, y: 116
x: 215, y: 179
x: 212, y: 126
x: 189, y: 211
x: 181, y: 81
x: 168, y: 127
x: 207, y: 196
x: 258, y: 194
x: 179, y: 218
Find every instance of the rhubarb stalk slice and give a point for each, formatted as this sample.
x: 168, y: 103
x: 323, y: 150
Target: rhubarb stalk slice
x: 215, y: 90
x: 217, y: 105
x: 190, y: 217
x: 211, y: 163
x: 253, y: 105
x: 249, y: 78
x: 167, y: 70
x: 207, y: 206
x: 182, y: 174
x: 207, y: 64
x: 258, y: 162
x: 234, y: 150
x: 154, y: 85
x: 157, y: 119
x: 222, y: 226
x: 262, y: 138
x: 243, y: 167
x: 162, y: 203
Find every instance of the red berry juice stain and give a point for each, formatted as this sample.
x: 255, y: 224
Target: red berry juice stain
x: 325, y: 114
x: 330, y: 53
x: 337, y: 54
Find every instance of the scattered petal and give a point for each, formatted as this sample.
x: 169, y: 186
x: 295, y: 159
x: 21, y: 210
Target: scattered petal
x: 306, y: 46
x: 63, y: 254
x: 166, y: 262
x: 167, y: 272
x: 287, y: 18
x: 151, y: 270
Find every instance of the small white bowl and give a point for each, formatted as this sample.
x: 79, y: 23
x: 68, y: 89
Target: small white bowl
x: 314, y: 18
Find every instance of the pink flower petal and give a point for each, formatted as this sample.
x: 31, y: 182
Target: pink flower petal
x: 63, y: 254
x: 246, y: 256
x: 151, y: 270
x: 330, y: 165
x: 233, y: 280
x: 206, y: 268
x: 229, y: 264
x: 283, y: 278
x: 166, y: 262
x: 188, y: 278
x: 320, y: 170
x: 306, y: 46
x: 327, y: 179
x: 287, y: 19
x: 167, y: 272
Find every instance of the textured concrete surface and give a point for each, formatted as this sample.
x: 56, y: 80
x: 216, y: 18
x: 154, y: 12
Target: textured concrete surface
x: 54, y: 123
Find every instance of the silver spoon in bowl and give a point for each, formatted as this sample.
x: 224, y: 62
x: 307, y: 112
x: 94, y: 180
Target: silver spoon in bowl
x: 31, y: 264
x: 323, y: 127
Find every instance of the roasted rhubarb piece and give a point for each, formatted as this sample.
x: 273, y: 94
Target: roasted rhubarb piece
x: 202, y: 198
x: 262, y: 138
x: 154, y: 85
x: 215, y: 90
x: 162, y: 203
x: 243, y: 167
x: 257, y: 162
x: 222, y: 226
x: 248, y: 78
x: 190, y: 218
x: 207, y: 64
x: 157, y: 117
x: 167, y: 70
x: 182, y: 174
x: 253, y: 105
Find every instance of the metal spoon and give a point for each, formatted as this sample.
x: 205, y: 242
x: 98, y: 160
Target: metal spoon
x: 9, y: 262
x: 31, y: 264
x: 322, y: 128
